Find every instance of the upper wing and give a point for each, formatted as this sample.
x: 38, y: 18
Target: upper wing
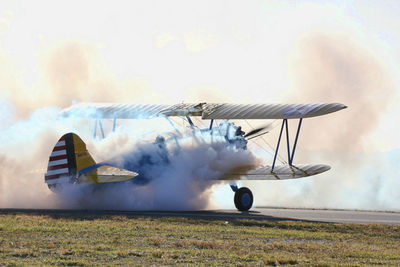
x: 131, y: 111
x: 269, y: 111
x: 281, y: 172
x: 113, y: 110
x: 205, y: 110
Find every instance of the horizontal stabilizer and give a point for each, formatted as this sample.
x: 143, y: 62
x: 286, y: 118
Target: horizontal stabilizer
x: 280, y: 172
x: 101, y: 173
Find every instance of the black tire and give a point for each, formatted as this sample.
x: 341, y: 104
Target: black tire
x: 243, y: 199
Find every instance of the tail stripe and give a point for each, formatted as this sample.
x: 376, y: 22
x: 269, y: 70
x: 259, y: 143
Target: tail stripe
x: 59, y: 148
x: 56, y: 167
x: 58, y: 153
x: 59, y: 167
x: 57, y: 162
x: 58, y: 171
x: 58, y: 157
x: 60, y: 143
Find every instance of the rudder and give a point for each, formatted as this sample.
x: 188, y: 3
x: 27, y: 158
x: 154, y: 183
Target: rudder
x: 69, y: 155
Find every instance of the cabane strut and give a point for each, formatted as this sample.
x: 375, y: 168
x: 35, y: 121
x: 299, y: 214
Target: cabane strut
x: 98, y: 121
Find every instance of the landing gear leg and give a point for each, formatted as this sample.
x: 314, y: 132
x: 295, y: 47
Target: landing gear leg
x: 243, y: 198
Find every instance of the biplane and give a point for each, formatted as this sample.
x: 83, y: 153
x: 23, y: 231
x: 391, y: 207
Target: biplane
x: 71, y: 163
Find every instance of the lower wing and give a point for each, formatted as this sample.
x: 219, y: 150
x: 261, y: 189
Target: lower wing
x: 280, y: 172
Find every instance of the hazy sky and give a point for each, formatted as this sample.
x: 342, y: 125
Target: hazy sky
x: 173, y: 51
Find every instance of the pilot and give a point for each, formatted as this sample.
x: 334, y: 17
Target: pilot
x: 239, y: 131
x: 160, y: 141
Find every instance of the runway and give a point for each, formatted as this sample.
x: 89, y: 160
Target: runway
x: 269, y: 214
x: 335, y: 216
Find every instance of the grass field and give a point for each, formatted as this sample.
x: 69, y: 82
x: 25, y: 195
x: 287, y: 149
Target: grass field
x: 116, y: 240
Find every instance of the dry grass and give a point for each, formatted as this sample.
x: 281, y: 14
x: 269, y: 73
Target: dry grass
x: 86, y: 240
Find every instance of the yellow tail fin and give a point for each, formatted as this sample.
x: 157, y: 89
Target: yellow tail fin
x: 68, y: 157
x: 70, y: 162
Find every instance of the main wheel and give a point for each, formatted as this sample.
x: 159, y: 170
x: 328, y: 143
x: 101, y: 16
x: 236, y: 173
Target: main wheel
x: 243, y: 199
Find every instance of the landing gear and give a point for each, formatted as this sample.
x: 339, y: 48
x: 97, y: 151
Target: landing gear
x: 243, y: 199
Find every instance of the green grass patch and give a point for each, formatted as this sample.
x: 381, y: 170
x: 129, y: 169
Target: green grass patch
x: 116, y: 240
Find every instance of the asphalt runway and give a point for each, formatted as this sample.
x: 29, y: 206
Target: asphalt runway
x: 270, y: 214
x: 335, y: 216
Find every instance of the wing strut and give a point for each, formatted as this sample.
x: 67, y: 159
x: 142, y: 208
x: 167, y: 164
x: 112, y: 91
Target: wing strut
x: 190, y: 121
x: 114, y: 124
x: 101, y: 128
x: 95, y: 129
x: 98, y: 121
x: 295, y: 141
x: 290, y: 156
x: 277, y: 146
x: 173, y: 126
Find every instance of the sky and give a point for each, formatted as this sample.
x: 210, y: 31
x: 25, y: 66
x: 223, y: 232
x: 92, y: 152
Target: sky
x: 185, y: 50
x: 55, y: 52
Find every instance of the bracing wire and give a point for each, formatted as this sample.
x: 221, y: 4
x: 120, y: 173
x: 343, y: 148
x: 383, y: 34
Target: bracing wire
x: 280, y: 158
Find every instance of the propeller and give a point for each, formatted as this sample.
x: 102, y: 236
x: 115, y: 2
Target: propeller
x: 259, y: 131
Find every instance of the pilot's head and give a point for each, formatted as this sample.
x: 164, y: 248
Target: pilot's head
x: 160, y: 139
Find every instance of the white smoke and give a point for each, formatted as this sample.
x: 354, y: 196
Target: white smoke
x: 336, y: 68
x: 195, y: 158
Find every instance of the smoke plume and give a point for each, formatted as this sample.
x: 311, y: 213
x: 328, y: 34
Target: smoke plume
x: 338, y: 69
x: 184, y: 183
